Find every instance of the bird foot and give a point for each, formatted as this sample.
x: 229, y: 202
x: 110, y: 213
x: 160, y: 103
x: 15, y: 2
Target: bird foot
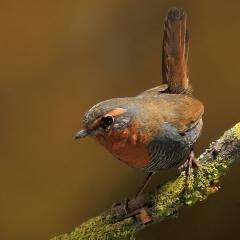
x: 188, y: 165
x: 142, y: 214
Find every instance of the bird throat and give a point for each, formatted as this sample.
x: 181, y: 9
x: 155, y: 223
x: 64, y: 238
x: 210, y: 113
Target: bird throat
x: 128, y: 145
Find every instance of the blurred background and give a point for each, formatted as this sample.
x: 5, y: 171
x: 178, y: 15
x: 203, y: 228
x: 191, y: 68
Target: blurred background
x: 57, y: 59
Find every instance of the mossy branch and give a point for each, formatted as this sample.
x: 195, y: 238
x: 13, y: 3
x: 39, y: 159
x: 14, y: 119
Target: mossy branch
x: 164, y: 202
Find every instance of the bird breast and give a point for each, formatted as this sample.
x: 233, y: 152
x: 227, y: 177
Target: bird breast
x: 129, y: 145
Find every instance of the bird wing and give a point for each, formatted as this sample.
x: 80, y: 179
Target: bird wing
x: 179, y: 110
x: 186, y: 111
x: 180, y: 126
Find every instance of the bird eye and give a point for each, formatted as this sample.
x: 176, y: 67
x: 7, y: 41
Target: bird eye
x: 106, y: 121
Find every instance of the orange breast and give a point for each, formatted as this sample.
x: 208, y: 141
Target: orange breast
x: 128, y: 145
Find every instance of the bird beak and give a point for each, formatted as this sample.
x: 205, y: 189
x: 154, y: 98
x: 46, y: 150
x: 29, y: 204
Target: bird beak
x: 83, y: 133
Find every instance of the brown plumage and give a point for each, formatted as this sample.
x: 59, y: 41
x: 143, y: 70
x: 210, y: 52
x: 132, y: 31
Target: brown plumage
x: 175, y: 51
x: 158, y: 128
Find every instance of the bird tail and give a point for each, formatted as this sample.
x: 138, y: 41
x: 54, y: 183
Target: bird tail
x: 175, y: 52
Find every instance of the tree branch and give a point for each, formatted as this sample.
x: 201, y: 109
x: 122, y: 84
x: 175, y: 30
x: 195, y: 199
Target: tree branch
x: 164, y: 202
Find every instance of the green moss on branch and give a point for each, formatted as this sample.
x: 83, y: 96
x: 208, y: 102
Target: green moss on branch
x: 100, y: 228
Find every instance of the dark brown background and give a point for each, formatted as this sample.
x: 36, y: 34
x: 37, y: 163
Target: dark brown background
x: 57, y: 58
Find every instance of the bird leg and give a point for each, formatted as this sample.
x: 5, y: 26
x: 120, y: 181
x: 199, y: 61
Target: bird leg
x: 188, y: 165
x: 145, y: 183
x: 124, y: 204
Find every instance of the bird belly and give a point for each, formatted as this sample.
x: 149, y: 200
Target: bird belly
x: 136, y: 156
x: 128, y: 147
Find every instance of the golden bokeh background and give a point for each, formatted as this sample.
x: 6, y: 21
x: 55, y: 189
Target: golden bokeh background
x: 57, y: 58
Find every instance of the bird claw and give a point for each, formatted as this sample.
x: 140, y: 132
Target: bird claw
x: 188, y: 165
x: 142, y: 214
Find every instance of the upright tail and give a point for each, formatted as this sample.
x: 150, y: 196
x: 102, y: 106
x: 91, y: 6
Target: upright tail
x: 175, y: 52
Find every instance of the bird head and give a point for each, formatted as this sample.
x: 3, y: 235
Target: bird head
x: 107, y: 116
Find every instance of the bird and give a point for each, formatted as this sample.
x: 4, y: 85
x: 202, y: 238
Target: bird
x: 158, y: 128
